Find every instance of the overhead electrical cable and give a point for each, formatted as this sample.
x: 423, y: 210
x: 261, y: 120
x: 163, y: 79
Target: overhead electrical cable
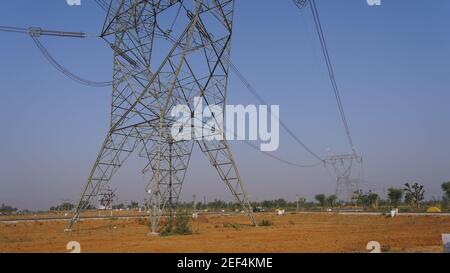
x: 255, y: 93
x: 35, y: 33
x: 283, y: 125
x: 300, y: 4
x: 288, y: 162
x: 331, y: 73
x: 64, y: 70
x: 103, y: 5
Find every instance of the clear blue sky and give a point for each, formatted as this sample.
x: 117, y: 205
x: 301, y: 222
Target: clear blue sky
x: 392, y: 64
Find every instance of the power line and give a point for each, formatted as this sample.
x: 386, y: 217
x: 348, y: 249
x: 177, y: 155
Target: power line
x: 283, y: 160
x: 331, y: 74
x: 283, y: 125
x: 64, y: 70
x: 35, y: 32
x: 301, y: 3
x: 255, y: 93
x: 13, y: 29
x: 103, y: 5
x: 343, y: 177
x: 262, y: 101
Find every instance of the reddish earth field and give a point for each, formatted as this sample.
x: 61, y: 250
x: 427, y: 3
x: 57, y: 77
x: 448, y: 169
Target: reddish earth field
x: 319, y: 232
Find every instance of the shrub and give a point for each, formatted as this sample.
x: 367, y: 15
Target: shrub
x: 433, y: 210
x: 179, y: 226
x: 265, y: 223
x: 182, y: 225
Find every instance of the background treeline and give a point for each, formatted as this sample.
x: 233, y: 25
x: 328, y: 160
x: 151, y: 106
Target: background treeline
x: 410, y: 197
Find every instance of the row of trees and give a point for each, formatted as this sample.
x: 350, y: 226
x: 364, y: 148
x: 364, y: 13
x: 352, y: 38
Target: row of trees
x: 7, y: 210
x: 63, y: 207
x: 66, y: 206
x: 368, y: 199
x: 132, y: 205
x: 411, y: 194
x: 326, y: 200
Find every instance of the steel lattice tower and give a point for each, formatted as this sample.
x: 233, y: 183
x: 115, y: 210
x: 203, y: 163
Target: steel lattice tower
x: 342, y: 166
x: 166, y: 52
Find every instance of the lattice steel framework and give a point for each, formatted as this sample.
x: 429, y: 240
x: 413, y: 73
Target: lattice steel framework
x: 342, y: 165
x: 166, y: 52
x: 106, y: 199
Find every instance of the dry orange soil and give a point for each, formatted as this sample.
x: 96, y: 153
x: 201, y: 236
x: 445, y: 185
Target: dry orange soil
x: 319, y: 232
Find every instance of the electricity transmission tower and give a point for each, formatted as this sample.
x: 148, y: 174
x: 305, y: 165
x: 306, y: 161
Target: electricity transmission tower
x: 166, y: 52
x: 342, y: 166
x: 106, y: 199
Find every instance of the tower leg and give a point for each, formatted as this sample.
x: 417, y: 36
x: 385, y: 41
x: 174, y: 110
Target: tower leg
x: 115, y: 150
x: 221, y: 158
x: 168, y: 163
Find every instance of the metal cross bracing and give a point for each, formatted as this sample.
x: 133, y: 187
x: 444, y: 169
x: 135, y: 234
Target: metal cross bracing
x: 166, y: 52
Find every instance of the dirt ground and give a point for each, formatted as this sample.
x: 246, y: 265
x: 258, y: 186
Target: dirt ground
x: 319, y: 232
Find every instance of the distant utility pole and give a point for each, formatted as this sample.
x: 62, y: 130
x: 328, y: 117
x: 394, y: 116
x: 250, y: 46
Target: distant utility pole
x: 106, y: 199
x: 195, y: 202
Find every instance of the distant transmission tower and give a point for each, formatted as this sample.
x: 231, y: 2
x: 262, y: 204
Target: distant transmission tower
x: 342, y: 165
x: 106, y: 199
x: 166, y: 52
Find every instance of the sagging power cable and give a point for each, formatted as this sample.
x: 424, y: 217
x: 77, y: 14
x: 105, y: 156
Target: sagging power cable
x: 331, y: 73
x: 102, y: 4
x: 287, y: 162
x: 283, y: 125
x: 64, y: 70
x: 255, y: 93
x: 35, y: 33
